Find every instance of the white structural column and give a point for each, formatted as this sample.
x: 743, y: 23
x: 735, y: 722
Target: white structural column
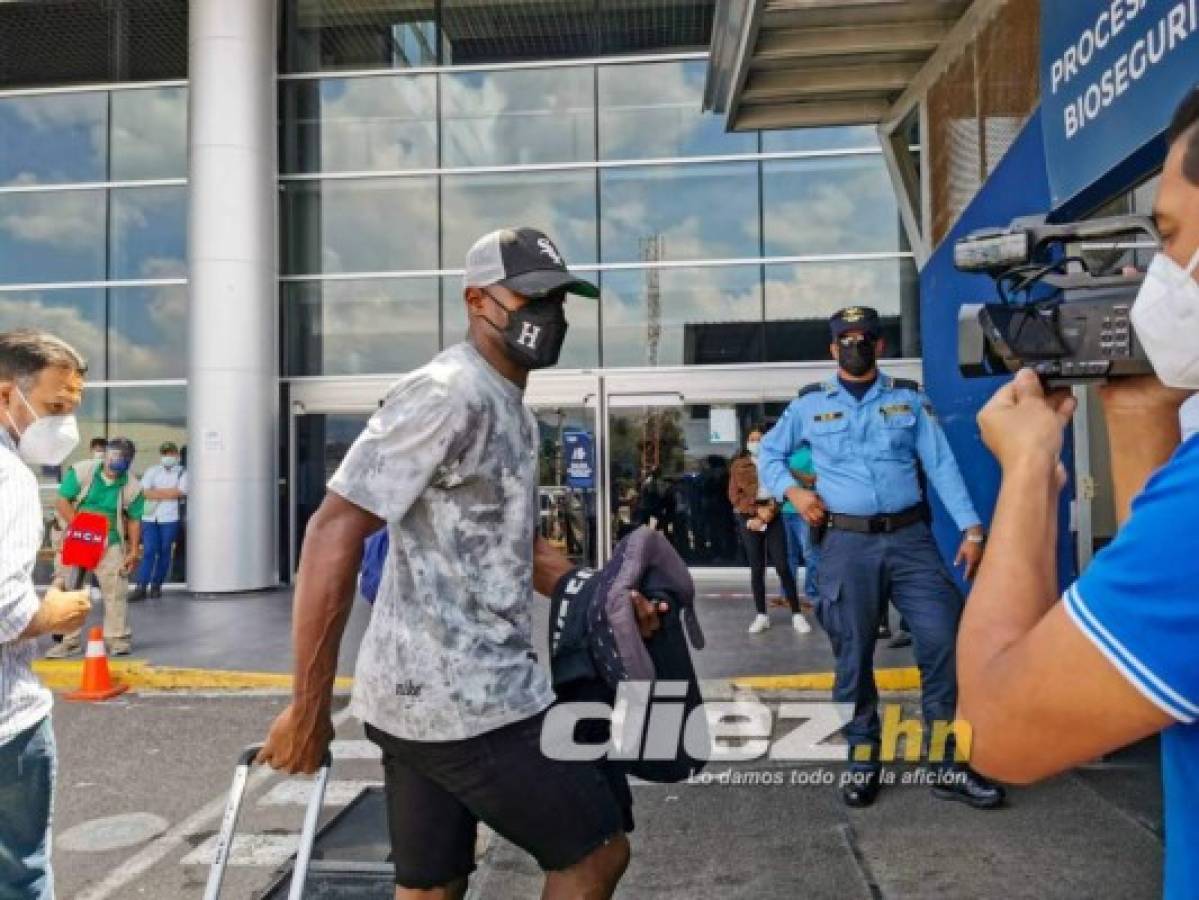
x: 233, y: 391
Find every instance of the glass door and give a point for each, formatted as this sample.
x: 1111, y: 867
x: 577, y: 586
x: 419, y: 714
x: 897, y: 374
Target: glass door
x: 568, y: 487
x: 571, y: 488
x: 320, y: 443
x: 327, y: 415
x: 670, y: 434
x: 669, y: 469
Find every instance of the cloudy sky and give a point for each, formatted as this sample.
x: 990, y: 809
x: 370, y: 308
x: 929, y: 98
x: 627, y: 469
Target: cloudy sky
x: 700, y: 211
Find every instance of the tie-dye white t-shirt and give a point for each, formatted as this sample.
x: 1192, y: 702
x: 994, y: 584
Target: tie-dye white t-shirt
x: 450, y: 463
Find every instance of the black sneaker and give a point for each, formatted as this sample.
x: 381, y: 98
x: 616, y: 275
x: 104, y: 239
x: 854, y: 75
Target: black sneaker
x: 861, y: 787
x: 138, y: 593
x: 963, y: 784
x: 155, y: 591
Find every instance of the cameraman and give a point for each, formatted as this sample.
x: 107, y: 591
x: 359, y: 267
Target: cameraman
x: 1048, y: 685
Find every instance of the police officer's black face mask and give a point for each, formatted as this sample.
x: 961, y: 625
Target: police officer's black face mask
x: 858, y: 357
x: 535, y: 333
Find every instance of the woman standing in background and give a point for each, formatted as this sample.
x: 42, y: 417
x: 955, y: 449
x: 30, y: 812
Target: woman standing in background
x: 762, y: 533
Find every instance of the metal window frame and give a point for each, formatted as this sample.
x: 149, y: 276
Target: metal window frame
x: 92, y: 87
x: 60, y: 187
x: 626, y: 60
x: 581, y: 165
x: 636, y: 265
x: 89, y: 285
x: 135, y: 383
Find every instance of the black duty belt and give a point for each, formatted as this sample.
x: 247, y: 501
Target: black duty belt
x: 884, y: 524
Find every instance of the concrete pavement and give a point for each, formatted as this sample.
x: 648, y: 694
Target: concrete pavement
x: 143, y: 781
x: 162, y: 764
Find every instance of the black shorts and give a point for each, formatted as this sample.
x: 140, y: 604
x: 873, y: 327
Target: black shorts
x: 438, y: 792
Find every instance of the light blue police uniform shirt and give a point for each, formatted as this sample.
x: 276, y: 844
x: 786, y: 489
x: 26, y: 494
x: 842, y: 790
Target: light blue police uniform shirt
x: 1138, y: 602
x: 865, y: 453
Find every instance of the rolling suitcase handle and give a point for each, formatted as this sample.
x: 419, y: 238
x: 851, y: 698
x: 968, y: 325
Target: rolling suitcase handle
x: 224, y: 841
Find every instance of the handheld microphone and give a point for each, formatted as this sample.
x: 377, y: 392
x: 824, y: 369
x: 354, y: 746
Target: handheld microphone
x: 83, y: 547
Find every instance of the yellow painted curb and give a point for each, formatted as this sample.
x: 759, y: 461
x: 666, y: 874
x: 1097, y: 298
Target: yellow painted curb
x: 65, y: 675
x: 906, y: 679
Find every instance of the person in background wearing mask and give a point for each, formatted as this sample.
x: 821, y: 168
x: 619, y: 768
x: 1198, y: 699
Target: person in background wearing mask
x: 800, y: 546
x: 96, y: 448
x: 867, y: 432
x: 1048, y: 685
x: 41, y: 385
x: 762, y: 534
x: 110, y: 489
x: 163, y: 486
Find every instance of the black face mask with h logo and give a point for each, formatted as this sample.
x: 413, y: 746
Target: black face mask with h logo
x: 535, y: 333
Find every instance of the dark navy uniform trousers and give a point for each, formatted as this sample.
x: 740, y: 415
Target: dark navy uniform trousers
x: 858, y: 573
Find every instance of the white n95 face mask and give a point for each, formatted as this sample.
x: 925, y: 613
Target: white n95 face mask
x: 49, y: 440
x: 1166, y: 318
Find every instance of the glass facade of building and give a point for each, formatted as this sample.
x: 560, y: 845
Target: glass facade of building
x: 406, y: 130
x: 754, y: 236
x: 93, y: 247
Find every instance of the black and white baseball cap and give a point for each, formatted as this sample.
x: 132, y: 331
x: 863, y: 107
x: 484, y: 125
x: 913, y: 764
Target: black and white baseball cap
x: 523, y: 260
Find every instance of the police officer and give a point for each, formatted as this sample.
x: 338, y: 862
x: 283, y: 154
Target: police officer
x: 867, y: 431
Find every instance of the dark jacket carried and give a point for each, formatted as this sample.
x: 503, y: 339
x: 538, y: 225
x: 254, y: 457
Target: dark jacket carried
x: 595, y: 643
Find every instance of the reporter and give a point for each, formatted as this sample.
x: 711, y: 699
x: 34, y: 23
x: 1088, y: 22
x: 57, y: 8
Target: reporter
x: 41, y: 384
x: 1049, y: 685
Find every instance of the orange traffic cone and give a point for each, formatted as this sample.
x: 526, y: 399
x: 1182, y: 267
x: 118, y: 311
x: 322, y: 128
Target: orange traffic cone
x: 97, y: 683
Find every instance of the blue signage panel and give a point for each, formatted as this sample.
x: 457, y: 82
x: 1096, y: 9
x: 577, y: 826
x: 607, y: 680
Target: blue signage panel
x: 580, y: 459
x: 1112, y: 72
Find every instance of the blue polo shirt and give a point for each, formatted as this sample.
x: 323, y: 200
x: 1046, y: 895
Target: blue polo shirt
x: 1139, y: 604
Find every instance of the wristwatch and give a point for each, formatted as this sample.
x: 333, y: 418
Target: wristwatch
x: 976, y: 538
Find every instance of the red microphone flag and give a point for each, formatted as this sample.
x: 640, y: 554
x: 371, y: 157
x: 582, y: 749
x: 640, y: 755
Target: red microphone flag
x: 84, y: 543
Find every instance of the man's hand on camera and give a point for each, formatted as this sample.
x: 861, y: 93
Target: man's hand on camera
x: 1141, y: 396
x: 808, y: 504
x: 1022, y: 423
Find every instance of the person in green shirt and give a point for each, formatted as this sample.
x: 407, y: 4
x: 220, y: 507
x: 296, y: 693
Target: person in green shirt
x: 108, y: 488
x: 800, y: 546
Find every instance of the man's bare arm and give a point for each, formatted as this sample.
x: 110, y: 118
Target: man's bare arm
x: 325, y: 585
x: 1037, y: 693
x: 1048, y: 702
x: 549, y: 565
x: 65, y: 508
x: 162, y: 493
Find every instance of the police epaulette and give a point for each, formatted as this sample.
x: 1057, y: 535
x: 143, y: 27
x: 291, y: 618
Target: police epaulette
x: 809, y: 389
x: 907, y: 384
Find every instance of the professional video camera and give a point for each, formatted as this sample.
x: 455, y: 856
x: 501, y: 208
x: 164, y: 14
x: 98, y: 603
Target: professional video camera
x: 1061, y: 311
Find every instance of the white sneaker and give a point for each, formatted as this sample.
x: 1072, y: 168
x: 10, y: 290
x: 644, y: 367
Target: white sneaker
x: 800, y: 624
x: 761, y: 623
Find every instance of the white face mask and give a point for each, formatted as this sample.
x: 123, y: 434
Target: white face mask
x: 170, y: 461
x: 753, y: 447
x: 1166, y: 318
x: 49, y: 440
